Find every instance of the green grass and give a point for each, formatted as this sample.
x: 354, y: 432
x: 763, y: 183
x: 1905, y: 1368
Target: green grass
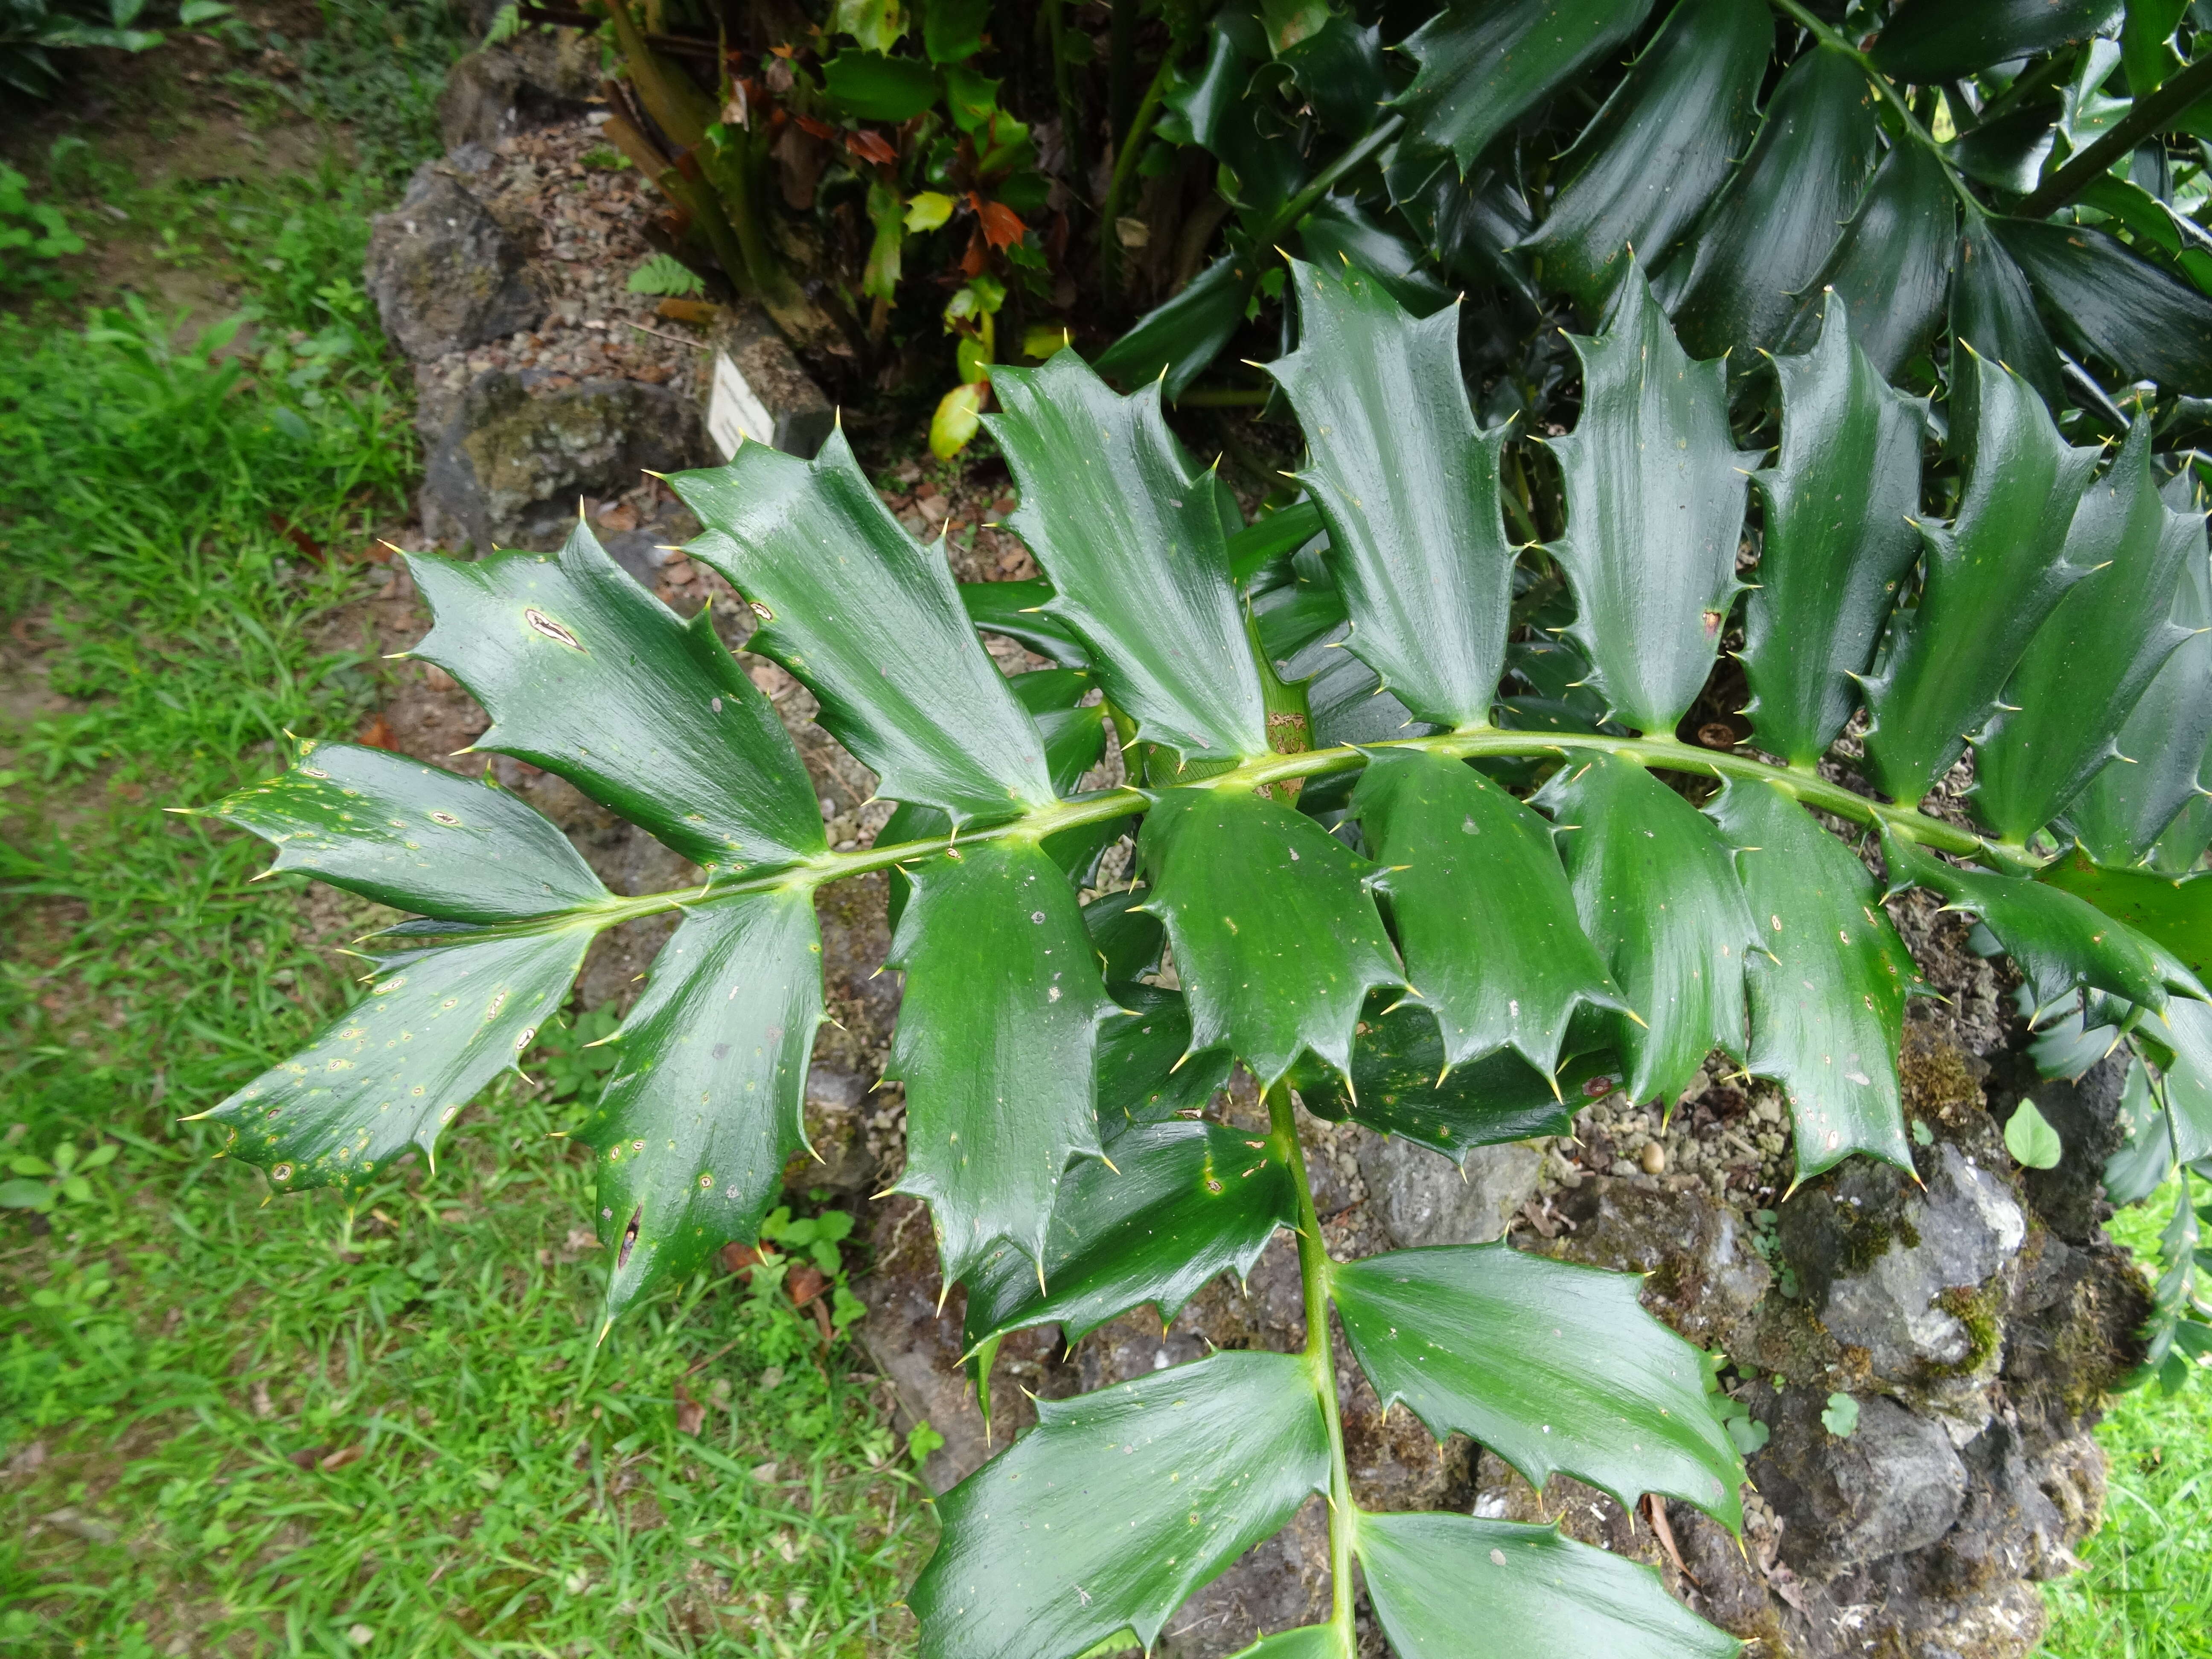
x: 297, y: 1427
x: 2147, y: 1592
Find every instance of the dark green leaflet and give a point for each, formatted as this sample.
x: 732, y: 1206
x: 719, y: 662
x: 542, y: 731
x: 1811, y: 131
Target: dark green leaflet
x: 1554, y: 1368
x: 1930, y: 40
x: 1735, y: 287
x: 1992, y: 577
x: 1665, y: 141
x: 396, y: 1068
x: 1826, y: 987
x: 2175, y: 911
x: 1274, y: 933
x: 1147, y: 1072
x: 1175, y: 341
x: 1659, y: 898
x: 1340, y: 235
x: 1180, y: 1203
x: 1014, y: 609
x: 1484, y: 914
x: 2087, y: 667
x: 1100, y: 475
x: 410, y: 836
x: 1435, y: 1578
x: 871, y: 623
x: 1836, y: 543
x: 1408, y: 485
x: 1484, y: 66
x: 1399, y: 1085
x: 994, y: 1043
x: 704, y: 1104
x: 1654, y: 495
x: 1892, y: 266
x: 1993, y: 310
x: 2120, y: 307
x: 1084, y: 1501
x: 585, y: 674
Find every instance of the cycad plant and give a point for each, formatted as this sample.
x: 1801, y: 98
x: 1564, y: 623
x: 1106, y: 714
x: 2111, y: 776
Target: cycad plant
x: 1374, y: 846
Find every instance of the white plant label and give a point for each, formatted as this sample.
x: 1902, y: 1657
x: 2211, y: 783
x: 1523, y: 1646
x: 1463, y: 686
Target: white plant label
x: 733, y: 412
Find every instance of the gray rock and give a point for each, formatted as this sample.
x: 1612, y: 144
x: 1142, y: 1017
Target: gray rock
x: 1910, y: 1307
x: 1895, y: 1484
x: 530, y: 80
x: 2085, y: 1113
x: 446, y: 276
x: 1421, y: 1199
x: 517, y: 453
x: 1702, y: 1273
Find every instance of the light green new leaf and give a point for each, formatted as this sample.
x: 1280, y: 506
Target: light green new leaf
x: 2061, y: 943
x: 1147, y: 1072
x: 1485, y: 64
x: 2125, y: 808
x: 590, y: 677
x: 1556, y: 1367
x: 2175, y: 911
x: 1993, y: 310
x: 996, y: 1040
x: 1992, y: 578
x: 413, y: 836
x: 1930, y: 40
x: 1133, y: 542
x: 705, y: 1100
x: 1891, y: 267
x: 1835, y: 507
x: 871, y: 621
x: 1408, y: 485
x: 2085, y: 667
x: 1664, y: 143
x: 397, y: 1067
x: 1481, y: 908
x: 1828, y: 986
x: 1399, y: 1085
x: 1659, y: 896
x: 1736, y: 289
x: 1118, y: 1505
x: 1438, y: 1580
x: 1276, y: 938
x: 1180, y: 1203
x: 2029, y: 1136
x: 1654, y: 495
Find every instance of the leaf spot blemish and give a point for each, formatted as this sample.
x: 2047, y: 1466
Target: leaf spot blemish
x: 542, y: 624
x: 630, y: 1236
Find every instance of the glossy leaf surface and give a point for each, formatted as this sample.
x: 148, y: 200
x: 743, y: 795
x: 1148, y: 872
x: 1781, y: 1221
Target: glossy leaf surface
x: 1735, y: 287
x: 1992, y: 577
x: 1993, y: 310
x: 1658, y: 895
x: 1276, y: 938
x: 1407, y: 483
x: 2125, y: 808
x: 585, y: 674
x: 1891, y: 268
x: 1655, y: 496
x: 2086, y: 668
x: 1133, y: 542
x: 1483, y: 913
x: 704, y: 1103
x: 1930, y: 40
x: 393, y: 1070
x: 2173, y: 911
x: 1399, y: 1085
x: 1664, y: 143
x: 871, y: 621
x: 995, y: 1040
x: 1828, y: 983
x: 2061, y: 943
x: 2124, y: 310
x: 1015, y: 609
x: 1556, y: 1367
x: 1136, y: 1495
x: 1174, y: 342
x: 1147, y: 1072
x: 413, y: 836
x: 1436, y: 1578
x: 1485, y: 64
x: 1836, y: 543
x: 1180, y: 1203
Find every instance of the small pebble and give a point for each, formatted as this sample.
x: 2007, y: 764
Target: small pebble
x: 1655, y: 1158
